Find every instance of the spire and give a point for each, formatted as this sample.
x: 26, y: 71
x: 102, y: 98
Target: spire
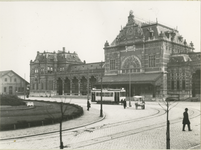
x: 131, y: 18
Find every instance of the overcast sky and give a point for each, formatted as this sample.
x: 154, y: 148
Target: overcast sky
x: 83, y: 27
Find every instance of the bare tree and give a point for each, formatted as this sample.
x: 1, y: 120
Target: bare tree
x: 167, y: 103
x: 63, y: 104
x: 63, y: 109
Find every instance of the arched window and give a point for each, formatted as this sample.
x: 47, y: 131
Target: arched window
x: 131, y: 64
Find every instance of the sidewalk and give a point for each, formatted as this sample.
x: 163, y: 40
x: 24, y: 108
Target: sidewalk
x: 89, y: 117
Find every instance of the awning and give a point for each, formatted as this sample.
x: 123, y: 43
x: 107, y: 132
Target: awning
x: 133, y: 78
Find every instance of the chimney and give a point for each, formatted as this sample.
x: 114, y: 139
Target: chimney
x: 63, y: 49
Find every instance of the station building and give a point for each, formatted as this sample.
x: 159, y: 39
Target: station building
x: 141, y: 59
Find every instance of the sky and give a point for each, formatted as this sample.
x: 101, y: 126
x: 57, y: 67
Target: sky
x: 82, y: 27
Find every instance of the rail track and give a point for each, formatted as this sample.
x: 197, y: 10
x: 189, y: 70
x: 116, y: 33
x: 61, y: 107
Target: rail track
x: 77, y: 133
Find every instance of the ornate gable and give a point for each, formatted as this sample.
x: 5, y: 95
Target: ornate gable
x: 131, y: 32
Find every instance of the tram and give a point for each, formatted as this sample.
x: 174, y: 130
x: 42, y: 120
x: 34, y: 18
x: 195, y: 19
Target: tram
x: 108, y: 95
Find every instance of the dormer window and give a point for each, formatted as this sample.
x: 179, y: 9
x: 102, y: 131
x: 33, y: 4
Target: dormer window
x: 151, y: 32
x: 36, y: 70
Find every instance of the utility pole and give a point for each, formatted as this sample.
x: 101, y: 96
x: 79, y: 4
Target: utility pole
x: 168, y: 128
x: 87, y: 83
x: 101, y: 105
x: 129, y: 87
x: 24, y: 85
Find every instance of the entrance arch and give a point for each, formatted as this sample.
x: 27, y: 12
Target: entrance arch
x: 67, y: 86
x: 92, y: 82
x: 59, y: 86
x: 83, y: 86
x: 75, y: 86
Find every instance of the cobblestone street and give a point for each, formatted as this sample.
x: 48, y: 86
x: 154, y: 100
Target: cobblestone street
x: 119, y: 129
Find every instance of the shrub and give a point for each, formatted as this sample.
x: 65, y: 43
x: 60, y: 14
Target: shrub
x: 11, y: 100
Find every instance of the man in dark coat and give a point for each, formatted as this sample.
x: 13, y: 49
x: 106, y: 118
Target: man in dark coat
x: 124, y: 103
x: 186, y: 120
x: 88, y: 105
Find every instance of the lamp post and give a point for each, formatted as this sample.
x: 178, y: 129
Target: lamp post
x: 101, y: 105
x: 130, y: 87
x: 168, y: 128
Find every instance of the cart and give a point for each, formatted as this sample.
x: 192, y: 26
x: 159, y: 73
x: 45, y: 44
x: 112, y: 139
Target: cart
x: 139, y: 102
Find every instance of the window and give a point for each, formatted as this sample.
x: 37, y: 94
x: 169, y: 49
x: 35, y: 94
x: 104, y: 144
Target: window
x: 36, y: 86
x: 15, y: 80
x: 32, y: 86
x: 112, y: 64
x: 4, y: 89
x: 41, y: 86
x: 36, y: 70
x: 50, y: 85
x: 50, y: 69
x: 152, y: 61
x: 172, y: 85
x: 183, y: 84
x: 5, y: 79
x: 178, y: 85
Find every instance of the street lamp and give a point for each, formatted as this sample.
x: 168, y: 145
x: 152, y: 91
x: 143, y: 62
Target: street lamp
x: 101, y: 105
x: 168, y: 127
x: 129, y: 86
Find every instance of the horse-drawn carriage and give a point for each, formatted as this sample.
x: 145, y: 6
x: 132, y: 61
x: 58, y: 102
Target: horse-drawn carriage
x: 139, y: 102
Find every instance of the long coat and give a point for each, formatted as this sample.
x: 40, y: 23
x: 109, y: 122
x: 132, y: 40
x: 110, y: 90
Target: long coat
x: 88, y: 104
x: 185, y: 119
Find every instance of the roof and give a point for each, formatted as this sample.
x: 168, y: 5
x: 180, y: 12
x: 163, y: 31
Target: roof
x: 134, y: 78
x: 61, y: 56
x: 138, y: 31
x: 90, y: 66
x: 3, y: 73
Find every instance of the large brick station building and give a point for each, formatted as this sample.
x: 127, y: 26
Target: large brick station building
x: 136, y: 60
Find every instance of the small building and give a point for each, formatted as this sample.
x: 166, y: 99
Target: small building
x: 12, y: 83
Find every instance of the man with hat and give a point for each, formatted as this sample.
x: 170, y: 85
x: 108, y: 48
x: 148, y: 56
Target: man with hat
x: 186, y: 120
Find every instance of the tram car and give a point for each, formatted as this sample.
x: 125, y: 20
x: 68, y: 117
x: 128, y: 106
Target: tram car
x: 109, y: 96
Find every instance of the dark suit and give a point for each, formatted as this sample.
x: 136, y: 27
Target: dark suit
x: 186, y: 121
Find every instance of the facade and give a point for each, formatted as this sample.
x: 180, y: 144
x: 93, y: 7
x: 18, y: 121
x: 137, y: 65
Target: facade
x: 62, y: 73
x: 137, y: 60
x: 184, y: 75
x: 12, y: 83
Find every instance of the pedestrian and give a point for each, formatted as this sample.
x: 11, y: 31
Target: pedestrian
x: 88, y: 105
x: 124, y: 103
x: 186, y: 120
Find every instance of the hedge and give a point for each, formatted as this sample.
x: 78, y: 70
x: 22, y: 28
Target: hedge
x: 11, y: 100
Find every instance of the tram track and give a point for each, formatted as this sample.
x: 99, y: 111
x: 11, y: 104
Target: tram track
x: 194, y: 113
x: 105, y: 138
x: 67, y: 131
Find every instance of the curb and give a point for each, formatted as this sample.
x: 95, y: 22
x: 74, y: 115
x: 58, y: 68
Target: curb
x: 20, y: 137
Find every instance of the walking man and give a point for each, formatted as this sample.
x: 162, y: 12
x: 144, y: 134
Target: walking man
x: 88, y: 105
x: 186, y: 120
x: 124, y: 103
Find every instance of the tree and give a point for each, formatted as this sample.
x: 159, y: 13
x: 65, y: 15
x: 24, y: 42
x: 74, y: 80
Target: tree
x: 64, y: 106
x: 169, y: 103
